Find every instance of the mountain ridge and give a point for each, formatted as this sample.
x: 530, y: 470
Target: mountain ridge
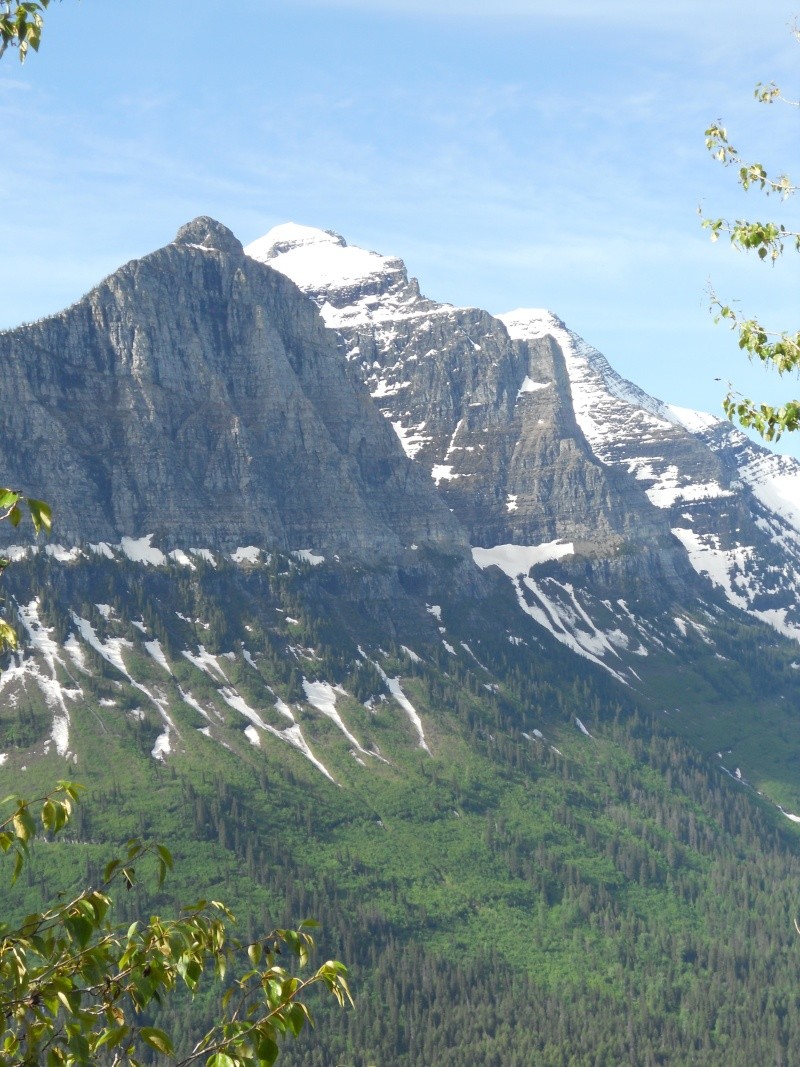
x: 195, y: 396
x: 595, y: 423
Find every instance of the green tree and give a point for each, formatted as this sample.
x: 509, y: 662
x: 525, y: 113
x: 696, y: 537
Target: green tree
x: 21, y: 25
x: 769, y: 240
x: 75, y: 988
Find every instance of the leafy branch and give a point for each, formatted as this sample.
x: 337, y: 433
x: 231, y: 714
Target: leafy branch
x: 74, y: 986
x: 21, y: 24
x: 769, y: 240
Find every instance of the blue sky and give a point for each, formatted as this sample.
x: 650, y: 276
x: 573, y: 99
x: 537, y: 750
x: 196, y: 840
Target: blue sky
x: 513, y: 152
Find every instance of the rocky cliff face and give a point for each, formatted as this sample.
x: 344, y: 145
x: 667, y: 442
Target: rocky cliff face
x: 596, y: 499
x: 733, y: 505
x: 215, y: 417
x: 196, y: 395
x: 489, y: 413
x: 197, y: 398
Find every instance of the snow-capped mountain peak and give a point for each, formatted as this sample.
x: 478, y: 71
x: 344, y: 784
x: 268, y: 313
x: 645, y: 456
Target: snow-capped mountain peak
x: 591, y: 375
x: 318, y: 260
x: 474, y: 410
x: 352, y: 287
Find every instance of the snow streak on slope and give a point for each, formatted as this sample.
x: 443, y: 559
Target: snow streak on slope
x: 111, y: 651
x: 322, y: 696
x: 54, y: 692
x: 292, y: 736
x: 556, y: 606
x: 394, y: 687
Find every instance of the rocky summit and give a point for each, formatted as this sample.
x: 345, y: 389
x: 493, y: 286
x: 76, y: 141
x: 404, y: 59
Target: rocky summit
x: 195, y: 397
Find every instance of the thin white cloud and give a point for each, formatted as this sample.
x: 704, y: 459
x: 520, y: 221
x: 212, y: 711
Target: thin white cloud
x: 684, y: 16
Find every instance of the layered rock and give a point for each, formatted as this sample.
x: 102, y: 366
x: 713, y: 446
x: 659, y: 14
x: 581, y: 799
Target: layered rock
x: 489, y: 415
x: 733, y: 505
x: 594, y: 497
x: 196, y: 395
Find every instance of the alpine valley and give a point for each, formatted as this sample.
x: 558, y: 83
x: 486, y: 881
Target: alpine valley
x: 425, y: 623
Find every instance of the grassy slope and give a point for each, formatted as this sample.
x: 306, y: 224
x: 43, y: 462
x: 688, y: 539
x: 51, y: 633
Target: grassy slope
x: 607, y: 867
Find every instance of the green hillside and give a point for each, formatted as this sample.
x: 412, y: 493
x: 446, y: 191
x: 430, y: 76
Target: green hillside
x: 562, y: 875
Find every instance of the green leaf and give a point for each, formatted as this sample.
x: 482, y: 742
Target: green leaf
x: 220, y: 1059
x: 24, y: 826
x: 40, y: 514
x: 8, y: 635
x: 156, y: 1039
x: 112, y: 1036
x: 267, y: 1051
x: 80, y: 928
x: 165, y: 855
x: 109, y: 869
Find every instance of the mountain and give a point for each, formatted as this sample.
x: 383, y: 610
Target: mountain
x: 195, y: 396
x: 629, y: 528
x: 533, y: 438
x: 422, y: 621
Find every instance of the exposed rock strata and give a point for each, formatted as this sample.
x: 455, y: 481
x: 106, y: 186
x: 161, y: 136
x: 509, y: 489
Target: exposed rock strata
x: 490, y: 417
x: 196, y: 395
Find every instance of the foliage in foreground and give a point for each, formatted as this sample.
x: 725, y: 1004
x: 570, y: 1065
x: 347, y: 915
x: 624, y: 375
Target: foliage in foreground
x: 768, y: 240
x: 21, y: 24
x: 11, y: 504
x: 75, y: 988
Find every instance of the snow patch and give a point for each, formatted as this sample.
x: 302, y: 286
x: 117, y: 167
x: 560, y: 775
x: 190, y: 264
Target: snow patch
x: 394, y: 687
x: 322, y: 696
x: 187, y: 698
x: 140, y: 550
x: 514, y: 560
x: 530, y: 386
x: 305, y: 555
x: 562, y: 615
x: 179, y: 556
x: 162, y: 747
x: 72, y: 647
x: 694, y: 421
x: 102, y: 549
x: 443, y: 472
x: 155, y: 650
x: 110, y: 650
x: 246, y: 554
x: 61, y: 554
x: 412, y: 439
x: 204, y: 553
x: 206, y: 662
